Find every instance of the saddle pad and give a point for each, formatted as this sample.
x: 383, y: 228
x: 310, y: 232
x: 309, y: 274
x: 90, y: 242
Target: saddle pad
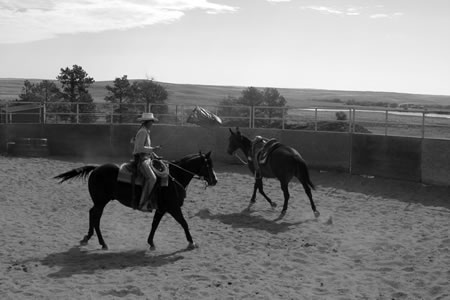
x: 266, y: 150
x: 125, y: 174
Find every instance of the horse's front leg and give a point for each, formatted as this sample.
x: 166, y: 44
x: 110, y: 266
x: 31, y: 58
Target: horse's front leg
x: 259, y: 186
x: 156, y: 219
x: 253, y: 199
x: 177, y: 214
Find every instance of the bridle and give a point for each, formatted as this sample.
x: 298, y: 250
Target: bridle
x: 237, y: 156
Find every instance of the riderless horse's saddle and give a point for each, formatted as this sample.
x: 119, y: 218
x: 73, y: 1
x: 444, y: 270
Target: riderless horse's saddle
x: 262, y: 148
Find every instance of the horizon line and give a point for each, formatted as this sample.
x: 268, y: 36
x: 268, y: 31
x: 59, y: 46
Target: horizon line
x: 244, y: 86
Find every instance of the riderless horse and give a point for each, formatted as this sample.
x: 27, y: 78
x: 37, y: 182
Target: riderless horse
x: 281, y: 162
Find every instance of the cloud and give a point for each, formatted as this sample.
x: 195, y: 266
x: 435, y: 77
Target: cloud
x: 352, y: 11
x: 355, y: 11
x: 381, y: 16
x: 32, y: 20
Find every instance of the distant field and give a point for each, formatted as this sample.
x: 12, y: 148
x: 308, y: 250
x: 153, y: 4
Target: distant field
x: 212, y: 95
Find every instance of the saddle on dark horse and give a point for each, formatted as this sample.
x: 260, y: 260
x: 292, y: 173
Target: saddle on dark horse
x: 129, y: 173
x: 260, y: 151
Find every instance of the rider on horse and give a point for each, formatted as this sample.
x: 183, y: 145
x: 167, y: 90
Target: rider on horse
x: 143, y: 154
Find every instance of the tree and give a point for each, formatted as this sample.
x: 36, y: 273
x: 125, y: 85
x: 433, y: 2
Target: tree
x: 150, y: 92
x: 28, y: 94
x: 233, y: 113
x: 43, y: 92
x: 341, y: 116
x: 253, y: 97
x: 75, y: 83
x: 121, y: 92
x: 273, y: 98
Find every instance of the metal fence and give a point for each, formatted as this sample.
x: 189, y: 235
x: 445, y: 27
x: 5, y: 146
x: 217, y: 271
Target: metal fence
x: 429, y: 124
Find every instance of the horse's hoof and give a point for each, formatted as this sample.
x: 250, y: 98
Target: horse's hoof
x: 316, y: 213
x: 152, y: 248
x: 83, y: 243
x: 274, y: 205
x: 104, y: 247
x: 192, y: 246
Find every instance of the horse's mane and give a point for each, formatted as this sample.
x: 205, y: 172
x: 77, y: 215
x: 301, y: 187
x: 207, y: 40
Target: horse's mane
x: 246, y: 141
x: 184, y: 159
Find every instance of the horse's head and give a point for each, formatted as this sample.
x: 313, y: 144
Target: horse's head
x: 237, y: 141
x: 206, y: 170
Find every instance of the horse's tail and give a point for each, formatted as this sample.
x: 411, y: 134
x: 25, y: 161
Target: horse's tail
x: 81, y: 172
x: 303, y: 172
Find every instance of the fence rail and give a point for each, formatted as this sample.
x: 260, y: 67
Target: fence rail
x: 417, y: 123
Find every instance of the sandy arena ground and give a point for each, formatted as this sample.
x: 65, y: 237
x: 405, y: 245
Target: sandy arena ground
x: 375, y: 239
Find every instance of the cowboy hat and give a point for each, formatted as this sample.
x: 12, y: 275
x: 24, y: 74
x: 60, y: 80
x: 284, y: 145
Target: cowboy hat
x: 147, y: 117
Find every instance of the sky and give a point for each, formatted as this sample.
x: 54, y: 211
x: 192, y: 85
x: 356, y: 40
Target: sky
x: 361, y: 45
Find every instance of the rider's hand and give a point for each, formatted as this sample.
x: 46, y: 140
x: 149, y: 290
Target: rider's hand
x: 156, y: 147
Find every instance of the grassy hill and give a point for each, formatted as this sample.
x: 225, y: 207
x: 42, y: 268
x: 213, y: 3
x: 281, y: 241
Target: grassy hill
x: 211, y: 95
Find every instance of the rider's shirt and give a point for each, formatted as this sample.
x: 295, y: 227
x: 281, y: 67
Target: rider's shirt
x: 142, y: 142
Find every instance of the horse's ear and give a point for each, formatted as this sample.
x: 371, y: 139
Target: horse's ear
x: 208, y: 154
x: 231, y: 131
x: 237, y: 131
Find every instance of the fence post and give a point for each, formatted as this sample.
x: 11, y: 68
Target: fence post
x: 78, y: 112
x: 253, y: 117
x: 423, y: 124
x: 6, y: 113
x: 315, y: 119
x: 350, y: 141
x: 386, y: 123
x: 44, y: 112
x: 182, y: 115
x: 349, y: 120
x: 112, y: 113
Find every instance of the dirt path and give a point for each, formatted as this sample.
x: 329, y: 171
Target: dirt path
x: 375, y: 239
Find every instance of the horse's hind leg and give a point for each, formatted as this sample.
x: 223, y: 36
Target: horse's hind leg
x: 97, y: 212
x: 308, y: 192
x: 253, y: 199
x: 285, y: 189
x: 177, y: 214
x: 86, y: 238
x: 156, y: 219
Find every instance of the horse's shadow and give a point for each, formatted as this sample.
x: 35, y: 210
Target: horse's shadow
x: 77, y: 261
x: 245, y: 219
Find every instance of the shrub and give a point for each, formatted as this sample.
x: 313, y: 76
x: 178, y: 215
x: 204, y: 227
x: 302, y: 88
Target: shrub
x: 341, y: 116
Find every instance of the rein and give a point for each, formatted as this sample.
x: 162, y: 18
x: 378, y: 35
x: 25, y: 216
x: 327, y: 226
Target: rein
x: 240, y: 159
x: 187, y: 171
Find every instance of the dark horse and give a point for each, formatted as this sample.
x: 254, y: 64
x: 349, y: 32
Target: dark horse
x: 104, y: 187
x: 282, y: 163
